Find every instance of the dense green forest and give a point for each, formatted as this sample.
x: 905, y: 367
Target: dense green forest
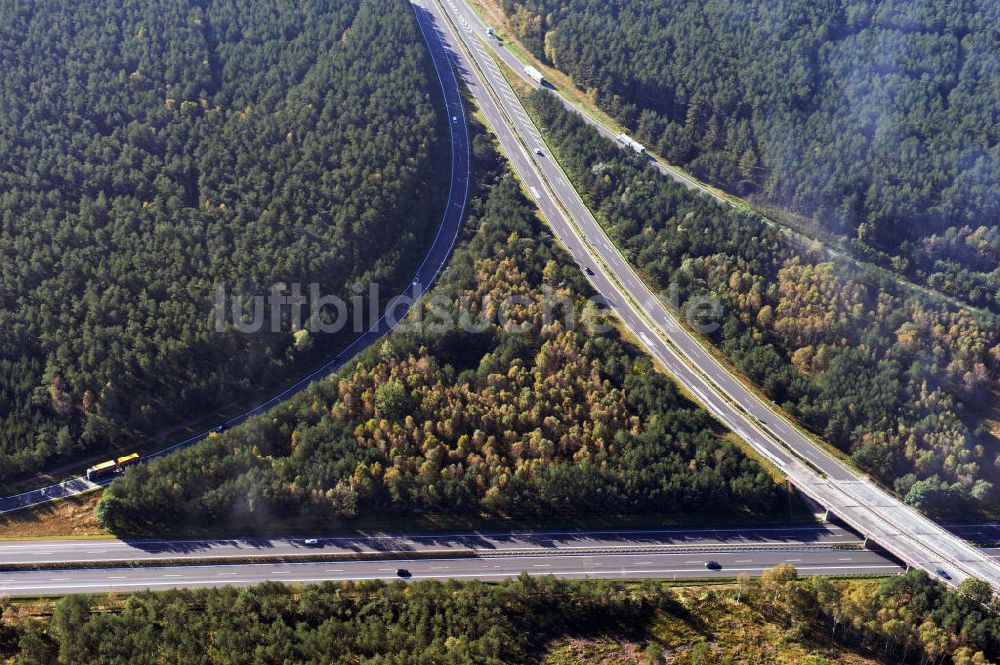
x: 541, y: 422
x: 896, y: 380
x: 153, y: 151
x: 776, y: 619
x: 878, y: 118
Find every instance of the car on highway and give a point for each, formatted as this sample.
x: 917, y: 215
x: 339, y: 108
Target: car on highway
x: 588, y: 270
x: 454, y: 119
x: 943, y: 573
x: 219, y: 429
x: 403, y: 572
x: 538, y: 151
x: 713, y: 565
x: 834, y: 484
x: 311, y: 542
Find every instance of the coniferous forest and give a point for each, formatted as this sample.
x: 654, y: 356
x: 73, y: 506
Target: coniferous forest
x: 534, y: 415
x: 151, y: 152
x: 154, y: 151
x: 902, y: 382
x: 878, y: 119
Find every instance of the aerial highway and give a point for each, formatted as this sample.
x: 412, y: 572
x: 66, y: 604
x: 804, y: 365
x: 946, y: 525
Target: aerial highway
x: 105, y: 564
x: 875, y: 514
x: 425, y: 276
x: 685, y: 565
x: 464, y: 12
x: 569, y: 541
x: 472, y: 19
x: 52, y: 567
x: 84, y: 551
x: 816, y: 472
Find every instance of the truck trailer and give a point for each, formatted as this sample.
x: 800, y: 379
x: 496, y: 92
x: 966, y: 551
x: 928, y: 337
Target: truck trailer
x: 534, y: 74
x: 628, y: 141
x: 111, y: 467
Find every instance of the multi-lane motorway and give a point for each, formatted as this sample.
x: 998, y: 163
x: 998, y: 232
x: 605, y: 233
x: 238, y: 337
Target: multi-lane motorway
x: 875, y: 513
x: 479, y: 543
x: 52, y: 567
x: 492, y: 568
x: 82, y: 566
x: 98, y: 565
x: 817, y: 473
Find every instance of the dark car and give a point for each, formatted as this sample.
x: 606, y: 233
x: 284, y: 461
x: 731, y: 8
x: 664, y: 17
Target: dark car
x: 943, y: 573
x: 219, y: 429
x: 403, y: 572
x: 588, y: 270
x: 713, y: 565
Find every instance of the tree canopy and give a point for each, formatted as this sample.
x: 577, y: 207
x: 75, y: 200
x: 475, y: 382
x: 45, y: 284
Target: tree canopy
x: 879, y: 119
x: 502, y: 422
x: 778, y: 618
x: 151, y: 152
x: 901, y: 381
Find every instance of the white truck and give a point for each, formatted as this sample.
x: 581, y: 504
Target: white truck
x: 628, y: 141
x: 534, y: 74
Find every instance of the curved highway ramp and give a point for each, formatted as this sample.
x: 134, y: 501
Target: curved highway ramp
x: 425, y: 276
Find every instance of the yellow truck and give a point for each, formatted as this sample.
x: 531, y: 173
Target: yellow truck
x: 111, y: 467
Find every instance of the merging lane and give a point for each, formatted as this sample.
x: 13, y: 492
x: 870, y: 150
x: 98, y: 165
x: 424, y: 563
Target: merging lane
x: 819, y: 549
x: 468, y: 18
x: 854, y: 498
x: 806, y: 242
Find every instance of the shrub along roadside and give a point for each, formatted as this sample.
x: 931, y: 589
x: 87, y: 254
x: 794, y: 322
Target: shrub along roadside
x: 778, y: 618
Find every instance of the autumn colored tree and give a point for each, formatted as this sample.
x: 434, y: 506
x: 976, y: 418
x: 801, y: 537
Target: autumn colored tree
x: 895, y: 378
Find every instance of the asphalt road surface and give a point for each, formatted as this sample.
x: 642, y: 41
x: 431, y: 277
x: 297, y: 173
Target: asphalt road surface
x: 481, y: 542
x: 813, y: 550
x: 872, y: 511
x: 614, y: 566
x: 568, y: 541
x: 819, y: 475
x: 425, y: 276
x: 465, y: 13
x: 804, y: 241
